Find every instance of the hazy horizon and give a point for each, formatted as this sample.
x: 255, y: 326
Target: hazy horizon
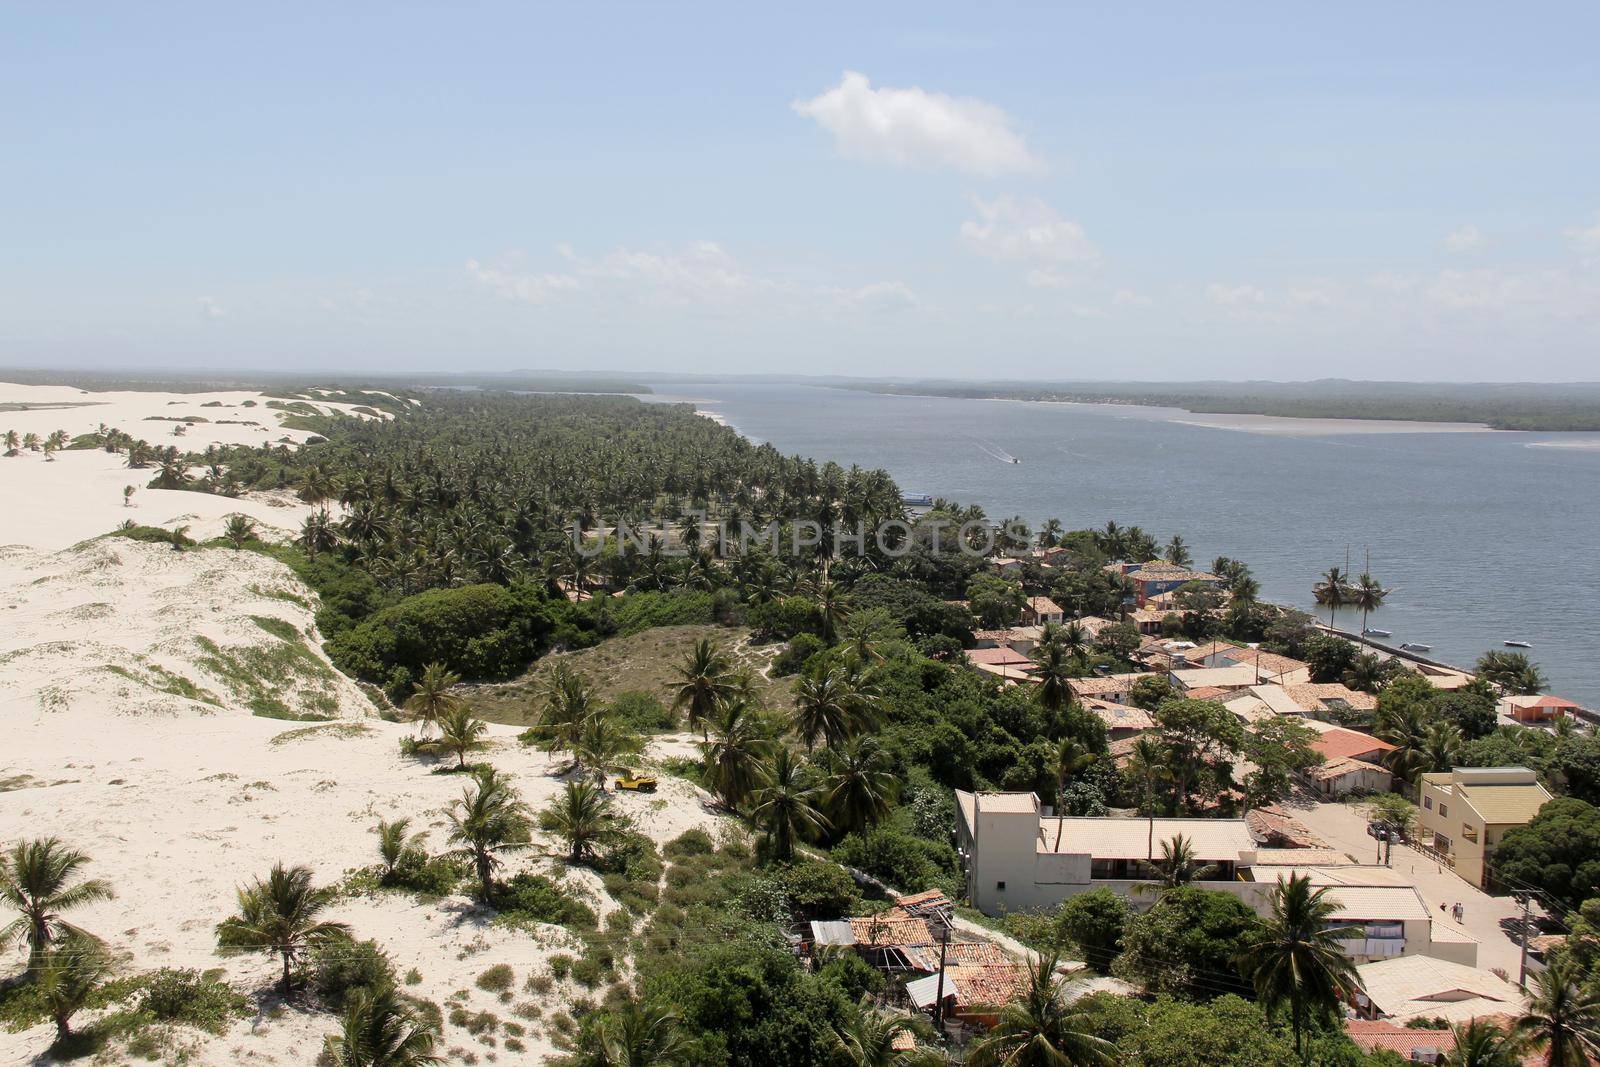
x: 1020, y: 194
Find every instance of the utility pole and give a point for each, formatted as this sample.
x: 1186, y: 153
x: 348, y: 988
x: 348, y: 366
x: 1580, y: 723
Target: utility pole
x: 938, y: 1003
x: 1522, y: 968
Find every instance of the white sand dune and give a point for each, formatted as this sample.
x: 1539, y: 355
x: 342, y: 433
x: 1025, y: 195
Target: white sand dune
x: 130, y: 675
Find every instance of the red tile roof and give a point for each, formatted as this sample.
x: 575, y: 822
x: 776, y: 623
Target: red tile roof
x: 998, y: 657
x: 1341, y: 743
x: 1374, y: 1034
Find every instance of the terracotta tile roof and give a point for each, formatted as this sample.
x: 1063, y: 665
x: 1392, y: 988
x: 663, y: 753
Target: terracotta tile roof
x: 1308, y: 694
x: 891, y: 929
x: 1340, y: 743
x: 998, y: 657
x: 1340, y: 766
x: 988, y: 985
x: 1274, y: 824
x: 1208, y: 692
x: 1043, y: 605
x: 957, y: 954
x: 1548, y: 701
x: 932, y: 896
x: 1375, y: 1034
x: 1119, y: 716
x: 1111, y: 683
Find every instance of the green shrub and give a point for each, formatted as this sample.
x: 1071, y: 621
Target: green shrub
x: 818, y: 890
x: 1094, y: 922
x: 344, y: 965
x: 186, y: 996
x: 645, y: 611
x: 560, y: 966
x: 642, y: 713
x: 793, y: 658
x: 533, y: 898
x: 689, y: 843
x: 905, y: 862
x: 497, y: 979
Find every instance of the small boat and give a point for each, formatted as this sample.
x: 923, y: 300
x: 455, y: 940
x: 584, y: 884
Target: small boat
x: 1518, y: 644
x: 1372, y: 631
x: 1412, y: 646
x: 1014, y: 459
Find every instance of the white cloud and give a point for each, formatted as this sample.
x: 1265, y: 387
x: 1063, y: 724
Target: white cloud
x: 916, y: 128
x: 1235, y: 296
x: 210, y: 308
x: 1465, y: 239
x: 528, y: 288
x: 1028, y: 231
x: 1129, y: 298
x: 881, y: 296
x: 1586, y: 239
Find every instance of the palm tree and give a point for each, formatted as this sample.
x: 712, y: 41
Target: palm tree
x: 432, y: 698
x: 705, y: 679
x: 861, y: 788
x: 734, y: 757
x: 1054, y: 673
x: 1150, y: 757
x: 1406, y: 728
x: 1442, y: 747
x: 13, y: 443
x: 1177, y: 866
x: 1563, y: 1016
x: 871, y: 1037
x: 603, y: 746
x: 490, y: 816
x: 1178, y: 552
x: 1072, y: 758
x: 1297, y: 958
x: 1480, y: 1043
x: 1368, y: 595
x: 786, y: 806
x: 1333, y: 592
x: 833, y: 607
x: 1041, y: 1029
x: 822, y: 706
x: 239, y: 529
x: 37, y: 881
x: 317, y: 533
x: 639, y: 1035
x: 569, y: 703
x: 459, y: 734
x: 279, y: 914
x: 380, y: 1030
x: 1511, y: 671
x: 394, y: 841
x: 67, y: 978
x: 583, y: 818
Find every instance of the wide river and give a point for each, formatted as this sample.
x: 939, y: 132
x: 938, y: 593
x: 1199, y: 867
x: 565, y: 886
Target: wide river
x: 1484, y: 536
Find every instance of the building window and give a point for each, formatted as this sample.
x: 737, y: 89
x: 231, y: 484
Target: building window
x: 1000, y: 887
x: 1444, y: 811
x: 1427, y: 802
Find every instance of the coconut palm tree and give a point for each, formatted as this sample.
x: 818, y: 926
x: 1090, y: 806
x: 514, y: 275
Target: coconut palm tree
x: 1368, y: 594
x: 1073, y: 757
x: 1441, y: 748
x: 1562, y: 1019
x: 1511, y: 671
x: 861, y: 788
x: 40, y: 880
x: 381, y: 1030
x: 239, y: 529
x: 1054, y: 671
x: 786, y: 807
x: 1406, y: 728
x: 1150, y: 759
x: 1177, y: 866
x: 582, y: 817
x: 734, y: 758
x: 1480, y: 1043
x: 394, y: 841
x: 822, y: 706
x: 872, y: 1037
x: 67, y: 978
x: 1178, y: 553
x: 489, y: 817
x: 431, y: 698
x: 1296, y: 958
x: 317, y: 533
x: 639, y: 1035
x: 604, y: 746
x: 1333, y: 592
x: 569, y: 702
x: 459, y: 734
x: 278, y: 914
x: 13, y: 443
x: 1041, y: 1029
x: 833, y: 607
x: 704, y: 680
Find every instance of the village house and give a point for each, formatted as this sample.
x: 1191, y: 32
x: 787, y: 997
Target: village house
x: 1121, y: 720
x: 1269, y: 666
x: 1352, y: 761
x: 1410, y: 1044
x: 1041, y: 611
x: 1018, y: 858
x: 1022, y: 639
x: 1536, y: 710
x: 1113, y: 688
x: 1155, y: 577
x: 1379, y: 914
x: 1422, y: 987
x: 1466, y: 811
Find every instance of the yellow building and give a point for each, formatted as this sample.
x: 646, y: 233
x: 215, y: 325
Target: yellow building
x: 1469, y: 809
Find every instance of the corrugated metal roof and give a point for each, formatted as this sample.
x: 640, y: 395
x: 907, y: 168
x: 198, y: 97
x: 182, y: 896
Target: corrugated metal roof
x: 837, y: 932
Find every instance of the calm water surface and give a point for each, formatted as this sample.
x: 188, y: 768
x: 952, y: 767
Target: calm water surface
x: 1483, y: 537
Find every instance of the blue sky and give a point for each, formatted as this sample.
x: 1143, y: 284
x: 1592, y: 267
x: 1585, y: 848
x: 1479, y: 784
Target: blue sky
x: 1284, y: 191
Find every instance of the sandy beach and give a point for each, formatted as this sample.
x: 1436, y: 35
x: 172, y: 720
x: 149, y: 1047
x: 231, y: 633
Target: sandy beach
x: 132, y: 681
